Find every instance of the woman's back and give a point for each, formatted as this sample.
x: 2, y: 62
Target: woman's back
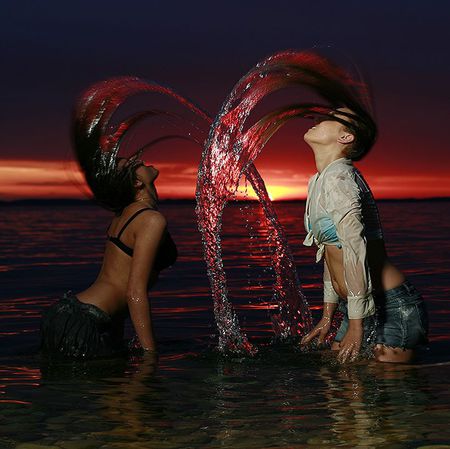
x: 90, y: 323
x: 109, y: 291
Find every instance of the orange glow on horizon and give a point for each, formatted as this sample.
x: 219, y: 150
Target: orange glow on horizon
x: 276, y: 192
x: 29, y: 179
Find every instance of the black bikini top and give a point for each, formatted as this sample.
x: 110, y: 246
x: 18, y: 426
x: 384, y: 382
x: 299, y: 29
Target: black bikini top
x: 167, y: 251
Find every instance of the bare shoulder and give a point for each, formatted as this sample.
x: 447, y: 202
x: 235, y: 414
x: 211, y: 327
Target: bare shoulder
x: 153, y: 218
x: 151, y: 225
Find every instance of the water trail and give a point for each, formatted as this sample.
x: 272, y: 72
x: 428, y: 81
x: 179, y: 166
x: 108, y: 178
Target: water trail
x: 293, y: 318
x: 229, y: 154
x: 99, y: 134
x: 93, y: 131
x: 98, y: 141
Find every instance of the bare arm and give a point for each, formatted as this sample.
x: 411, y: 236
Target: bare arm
x: 148, y: 236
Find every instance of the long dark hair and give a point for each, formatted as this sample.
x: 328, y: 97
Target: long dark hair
x: 339, y: 88
x: 97, y: 143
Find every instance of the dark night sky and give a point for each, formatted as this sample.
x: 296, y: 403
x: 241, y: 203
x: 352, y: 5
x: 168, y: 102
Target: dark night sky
x: 51, y: 51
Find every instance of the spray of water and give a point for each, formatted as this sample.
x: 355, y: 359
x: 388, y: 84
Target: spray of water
x: 98, y: 141
x: 229, y: 154
x: 95, y: 108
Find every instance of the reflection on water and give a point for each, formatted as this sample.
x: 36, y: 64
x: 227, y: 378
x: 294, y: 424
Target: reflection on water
x: 191, y: 397
x: 279, y: 399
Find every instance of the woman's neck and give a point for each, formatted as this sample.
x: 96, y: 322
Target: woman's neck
x: 145, y: 201
x: 325, y: 156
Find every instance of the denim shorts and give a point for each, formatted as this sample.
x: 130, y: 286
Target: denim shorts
x: 401, y: 320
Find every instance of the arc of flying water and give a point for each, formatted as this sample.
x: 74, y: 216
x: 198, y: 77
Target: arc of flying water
x: 226, y: 156
x: 99, y: 103
x: 91, y: 134
x: 98, y: 143
x: 229, y: 153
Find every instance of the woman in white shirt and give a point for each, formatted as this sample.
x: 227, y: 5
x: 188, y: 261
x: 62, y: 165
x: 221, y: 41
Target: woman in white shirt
x: 379, y: 305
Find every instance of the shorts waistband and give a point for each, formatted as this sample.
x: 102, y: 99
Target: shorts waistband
x: 98, y: 313
x: 404, y: 290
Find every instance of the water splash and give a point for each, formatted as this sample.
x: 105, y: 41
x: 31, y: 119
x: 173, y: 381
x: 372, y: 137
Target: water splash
x: 98, y: 138
x: 229, y: 154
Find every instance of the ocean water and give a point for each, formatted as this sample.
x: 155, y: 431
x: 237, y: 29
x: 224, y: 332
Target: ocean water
x: 192, y: 396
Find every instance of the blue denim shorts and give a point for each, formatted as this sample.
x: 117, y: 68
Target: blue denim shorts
x: 401, y: 320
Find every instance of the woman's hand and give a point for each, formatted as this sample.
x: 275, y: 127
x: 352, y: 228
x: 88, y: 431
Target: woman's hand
x: 350, y: 345
x: 323, y: 326
x: 320, y: 331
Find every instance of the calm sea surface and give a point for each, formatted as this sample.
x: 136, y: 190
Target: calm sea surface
x: 192, y: 397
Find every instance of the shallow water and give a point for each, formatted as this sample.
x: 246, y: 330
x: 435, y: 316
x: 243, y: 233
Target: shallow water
x: 193, y: 397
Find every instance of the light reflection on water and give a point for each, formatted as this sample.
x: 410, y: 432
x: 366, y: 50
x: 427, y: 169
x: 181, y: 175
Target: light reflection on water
x: 191, y: 400
x: 192, y: 397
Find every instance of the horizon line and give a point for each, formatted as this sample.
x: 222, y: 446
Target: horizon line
x: 191, y: 200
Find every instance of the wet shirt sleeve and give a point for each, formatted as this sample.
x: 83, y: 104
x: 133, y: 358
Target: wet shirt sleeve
x: 329, y: 294
x: 343, y: 202
x: 306, y: 215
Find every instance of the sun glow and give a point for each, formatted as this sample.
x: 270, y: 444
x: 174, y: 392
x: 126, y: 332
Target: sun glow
x: 276, y: 192
x: 62, y: 179
x: 40, y: 179
x: 32, y: 179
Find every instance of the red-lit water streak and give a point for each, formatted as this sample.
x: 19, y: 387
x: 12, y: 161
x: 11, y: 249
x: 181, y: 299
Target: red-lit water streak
x: 292, y: 317
x: 96, y: 137
x: 229, y: 153
x: 17, y: 377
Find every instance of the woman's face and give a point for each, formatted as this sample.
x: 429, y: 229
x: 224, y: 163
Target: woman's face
x: 145, y: 177
x: 147, y: 174
x: 326, y: 130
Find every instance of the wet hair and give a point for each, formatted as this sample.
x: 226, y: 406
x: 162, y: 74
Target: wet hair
x: 97, y: 143
x: 364, y: 131
x: 111, y: 181
x: 97, y: 140
x: 334, y: 85
x: 114, y: 188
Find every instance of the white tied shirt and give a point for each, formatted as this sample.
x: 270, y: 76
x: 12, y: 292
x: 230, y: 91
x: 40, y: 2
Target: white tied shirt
x: 340, y: 210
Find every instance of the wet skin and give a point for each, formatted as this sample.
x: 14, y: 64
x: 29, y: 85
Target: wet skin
x: 123, y: 281
x: 329, y: 139
x: 384, y: 275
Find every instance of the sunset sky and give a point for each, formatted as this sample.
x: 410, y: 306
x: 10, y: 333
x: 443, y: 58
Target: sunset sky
x: 52, y: 51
